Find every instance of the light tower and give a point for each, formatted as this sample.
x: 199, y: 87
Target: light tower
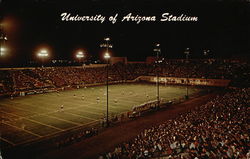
x: 80, y: 55
x: 157, y: 50
x: 107, y: 57
x: 187, y: 52
x: 3, y: 39
x: 206, y: 54
x: 43, y: 54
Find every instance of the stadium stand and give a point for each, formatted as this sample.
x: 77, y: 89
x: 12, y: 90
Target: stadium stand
x: 14, y: 80
x: 6, y: 82
x: 56, y: 77
x: 218, y: 129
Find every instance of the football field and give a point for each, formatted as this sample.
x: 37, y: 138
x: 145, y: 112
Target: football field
x: 32, y: 117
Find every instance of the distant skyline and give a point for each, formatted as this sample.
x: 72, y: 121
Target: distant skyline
x: 222, y: 27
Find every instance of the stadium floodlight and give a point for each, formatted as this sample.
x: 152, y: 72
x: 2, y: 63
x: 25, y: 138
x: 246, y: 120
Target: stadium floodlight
x: 2, y: 51
x: 80, y: 55
x: 157, y: 49
x: 206, y: 52
x: 3, y: 39
x: 107, y: 39
x: 106, y: 45
x: 43, y: 54
x: 107, y: 57
x: 187, y: 52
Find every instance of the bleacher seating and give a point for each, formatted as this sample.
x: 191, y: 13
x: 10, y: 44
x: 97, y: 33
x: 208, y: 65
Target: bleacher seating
x: 38, y: 78
x: 218, y: 129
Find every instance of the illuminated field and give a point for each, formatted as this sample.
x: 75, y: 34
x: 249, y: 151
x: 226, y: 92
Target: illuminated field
x: 36, y: 116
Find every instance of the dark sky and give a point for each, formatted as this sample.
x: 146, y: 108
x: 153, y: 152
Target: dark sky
x: 223, y: 27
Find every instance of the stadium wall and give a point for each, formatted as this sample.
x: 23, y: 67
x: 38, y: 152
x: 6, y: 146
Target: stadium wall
x: 48, y: 90
x: 32, y: 68
x: 189, y: 81
x: 115, y: 60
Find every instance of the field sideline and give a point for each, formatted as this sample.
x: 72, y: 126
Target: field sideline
x: 32, y: 117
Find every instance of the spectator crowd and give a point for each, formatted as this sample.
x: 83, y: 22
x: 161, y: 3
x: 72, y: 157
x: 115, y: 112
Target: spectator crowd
x: 218, y: 129
x: 16, y: 80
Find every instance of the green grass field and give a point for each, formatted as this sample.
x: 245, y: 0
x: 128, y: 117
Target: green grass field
x: 35, y: 116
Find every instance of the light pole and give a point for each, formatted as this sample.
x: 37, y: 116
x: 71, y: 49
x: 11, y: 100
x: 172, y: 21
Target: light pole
x: 3, y: 39
x: 187, y: 52
x: 157, y: 49
x: 79, y: 56
x: 107, y: 57
x: 206, y: 54
x: 43, y: 54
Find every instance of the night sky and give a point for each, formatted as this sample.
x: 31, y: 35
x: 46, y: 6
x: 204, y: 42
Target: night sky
x: 222, y: 27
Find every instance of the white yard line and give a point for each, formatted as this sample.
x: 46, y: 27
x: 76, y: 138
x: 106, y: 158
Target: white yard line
x: 31, y: 120
x: 7, y: 141
x: 27, y: 131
